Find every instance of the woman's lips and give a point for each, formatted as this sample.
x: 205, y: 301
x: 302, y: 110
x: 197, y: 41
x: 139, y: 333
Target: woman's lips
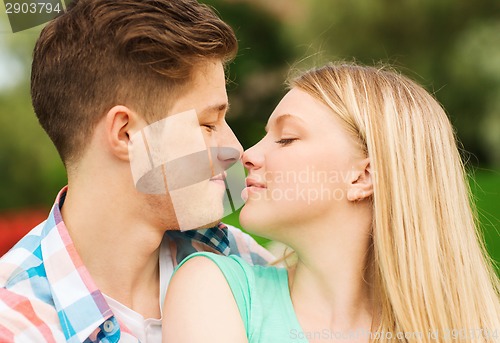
x: 252, y: 186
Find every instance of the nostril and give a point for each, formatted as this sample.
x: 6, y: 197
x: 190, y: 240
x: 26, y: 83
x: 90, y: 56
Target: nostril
x: 248, y: 165
x: 227, y: 154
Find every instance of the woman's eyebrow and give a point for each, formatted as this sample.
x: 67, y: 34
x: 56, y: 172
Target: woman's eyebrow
x: 284, y: 117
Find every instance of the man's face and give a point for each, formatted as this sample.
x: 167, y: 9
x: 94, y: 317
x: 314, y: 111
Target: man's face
x: 183, y: 158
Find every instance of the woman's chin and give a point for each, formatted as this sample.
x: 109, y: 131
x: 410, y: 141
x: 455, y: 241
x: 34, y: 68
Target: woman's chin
x: 245, y: 216
x: 250, y: 219
x: 254, y: 220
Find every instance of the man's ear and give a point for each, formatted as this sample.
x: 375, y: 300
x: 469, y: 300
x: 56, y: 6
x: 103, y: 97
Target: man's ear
x: 121, y: 122
x: 360, y: 186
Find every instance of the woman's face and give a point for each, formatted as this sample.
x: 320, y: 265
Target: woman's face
x: 301, y: 170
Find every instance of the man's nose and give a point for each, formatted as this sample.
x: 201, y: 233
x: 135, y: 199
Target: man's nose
x: 228, y: 150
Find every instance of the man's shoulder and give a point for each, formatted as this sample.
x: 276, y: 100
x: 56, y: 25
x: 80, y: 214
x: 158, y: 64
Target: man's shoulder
x: 245, y: 246
x: 237, y: 233
x: 27, y: 318
x: 234, y: 230
x: 23, y: 260
x: 27, y: 311
x: 23, y: 279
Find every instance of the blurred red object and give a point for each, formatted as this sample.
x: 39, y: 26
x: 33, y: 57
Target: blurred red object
x: 15, y: 225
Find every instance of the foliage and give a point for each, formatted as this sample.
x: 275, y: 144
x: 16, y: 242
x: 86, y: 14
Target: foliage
x: 452, y: 47
x: 485, y: 187
x: 258, y: 72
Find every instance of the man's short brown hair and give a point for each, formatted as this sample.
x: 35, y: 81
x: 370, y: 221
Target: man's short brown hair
x: 102, y: 53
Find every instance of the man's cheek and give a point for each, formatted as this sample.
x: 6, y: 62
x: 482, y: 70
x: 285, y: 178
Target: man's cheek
x: 172, y: 157
x: 157, y: 152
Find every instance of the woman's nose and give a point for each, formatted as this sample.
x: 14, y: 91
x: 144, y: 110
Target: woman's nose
x: 253, y: 158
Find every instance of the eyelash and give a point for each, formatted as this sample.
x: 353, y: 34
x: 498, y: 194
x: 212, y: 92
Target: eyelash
x: 286, y: 141
x: 211, y: 127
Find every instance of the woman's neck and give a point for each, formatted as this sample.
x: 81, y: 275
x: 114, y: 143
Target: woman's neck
x: 331, y: 284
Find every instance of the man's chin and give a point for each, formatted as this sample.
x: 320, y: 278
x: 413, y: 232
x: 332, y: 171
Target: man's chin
x: 207, y: 226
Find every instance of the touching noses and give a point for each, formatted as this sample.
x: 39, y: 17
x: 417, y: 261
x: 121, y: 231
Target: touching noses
x: 253, y: 158
x: 229, y: 149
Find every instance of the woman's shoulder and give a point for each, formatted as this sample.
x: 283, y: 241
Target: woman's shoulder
x: 235, y: 267
x: 198, y: 290
x: 232, y: 264
x: 251, y: 285
x: 261, y: 293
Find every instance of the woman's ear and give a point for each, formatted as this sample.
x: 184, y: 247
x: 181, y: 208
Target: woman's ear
x: 121, y: 123
x: 360, y: 186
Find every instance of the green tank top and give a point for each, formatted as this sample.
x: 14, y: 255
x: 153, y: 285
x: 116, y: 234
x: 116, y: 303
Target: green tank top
x: 263, y: 299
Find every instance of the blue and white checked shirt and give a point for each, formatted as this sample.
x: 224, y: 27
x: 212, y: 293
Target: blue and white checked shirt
x: 47, y: 294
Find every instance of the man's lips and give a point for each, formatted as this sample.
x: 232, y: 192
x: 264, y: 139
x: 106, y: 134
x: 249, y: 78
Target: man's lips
x: 219, y: 177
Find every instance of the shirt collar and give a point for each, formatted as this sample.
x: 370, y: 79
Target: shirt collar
x: 215, y: 237
x: 80, y: 305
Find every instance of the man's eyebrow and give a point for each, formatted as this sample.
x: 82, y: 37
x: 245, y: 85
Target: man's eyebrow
x: 223, y: 107
x: 282, y: 117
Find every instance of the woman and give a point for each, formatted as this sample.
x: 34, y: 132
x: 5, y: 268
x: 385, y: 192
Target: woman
x: 360, y: 174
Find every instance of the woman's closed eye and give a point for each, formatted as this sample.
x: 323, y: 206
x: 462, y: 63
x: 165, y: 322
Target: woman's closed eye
x: 286, y: 141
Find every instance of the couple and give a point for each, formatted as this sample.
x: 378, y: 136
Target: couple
x: 385, y: 243
x: 384, y: 238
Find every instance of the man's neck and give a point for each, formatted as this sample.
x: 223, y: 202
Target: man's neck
x: 118, y: 246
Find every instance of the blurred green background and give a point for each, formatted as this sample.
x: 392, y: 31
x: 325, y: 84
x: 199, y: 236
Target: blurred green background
x: 452, y: 47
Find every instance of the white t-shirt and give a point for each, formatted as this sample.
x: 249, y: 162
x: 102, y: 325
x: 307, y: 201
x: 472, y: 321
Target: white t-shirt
x: 146, y: 330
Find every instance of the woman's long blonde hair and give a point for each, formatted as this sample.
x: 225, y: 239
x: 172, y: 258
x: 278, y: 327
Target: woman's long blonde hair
x: 431, y: 271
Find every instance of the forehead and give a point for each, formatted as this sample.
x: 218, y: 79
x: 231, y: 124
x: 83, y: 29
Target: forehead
x: 206, y: 89
x: 298, y: 104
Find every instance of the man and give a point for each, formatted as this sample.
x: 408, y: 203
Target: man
x: 104, y: 75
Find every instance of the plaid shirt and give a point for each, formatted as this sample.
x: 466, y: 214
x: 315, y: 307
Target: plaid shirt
x: 47, y: 294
